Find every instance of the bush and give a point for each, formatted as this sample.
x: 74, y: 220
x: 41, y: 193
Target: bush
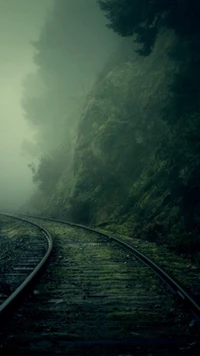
x: 155, y: 231
x: 186, y: 243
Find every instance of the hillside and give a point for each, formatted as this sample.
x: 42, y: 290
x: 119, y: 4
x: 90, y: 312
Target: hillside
x: 132, y: 165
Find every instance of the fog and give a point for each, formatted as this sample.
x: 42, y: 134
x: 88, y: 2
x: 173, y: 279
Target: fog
x: 51, y: 54
x: 20, y: 24
x: 72, y: 49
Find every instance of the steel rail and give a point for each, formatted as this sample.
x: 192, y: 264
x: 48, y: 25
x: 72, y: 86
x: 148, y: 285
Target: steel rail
x: 175, y: 286
x: 12, y: 301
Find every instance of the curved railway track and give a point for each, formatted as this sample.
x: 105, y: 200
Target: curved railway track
x: 99, y: 296
x: 19, y: 278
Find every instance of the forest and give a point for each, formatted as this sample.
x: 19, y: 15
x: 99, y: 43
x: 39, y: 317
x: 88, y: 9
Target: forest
x: 115, y: 106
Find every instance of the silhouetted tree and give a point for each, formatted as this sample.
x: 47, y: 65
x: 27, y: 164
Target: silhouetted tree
x: 144, y: 18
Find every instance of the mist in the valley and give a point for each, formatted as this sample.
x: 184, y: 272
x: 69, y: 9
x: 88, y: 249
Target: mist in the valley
x: 20, y: 23
x: 70, y: 53
x: 51, y: 54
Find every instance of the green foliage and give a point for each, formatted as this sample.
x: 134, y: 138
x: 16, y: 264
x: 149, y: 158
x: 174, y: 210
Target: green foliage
x: 144, y: 18
x: 137, y: 153
x: 80, y: 211
x: 155, y: 231
x: 140, y: 17
x: 183, y: 242
x: 118, y: 133
x: 180, y: 146
x: 51, y: 168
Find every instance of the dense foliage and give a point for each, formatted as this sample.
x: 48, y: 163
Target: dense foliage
x: 134, y: 157
x: 144, y: 18
x: 179, y: 147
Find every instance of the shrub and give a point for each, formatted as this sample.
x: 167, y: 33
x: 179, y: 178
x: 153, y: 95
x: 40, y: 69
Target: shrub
x: 154, y: 231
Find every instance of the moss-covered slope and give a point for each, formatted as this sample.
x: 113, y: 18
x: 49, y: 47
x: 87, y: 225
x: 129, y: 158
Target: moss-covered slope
x: 136, y: 155
x: 120, y: 128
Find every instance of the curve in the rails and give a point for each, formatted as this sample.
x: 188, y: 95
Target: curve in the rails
x: 175, y: 286
x: 97, y: 299
x: 10, y: 303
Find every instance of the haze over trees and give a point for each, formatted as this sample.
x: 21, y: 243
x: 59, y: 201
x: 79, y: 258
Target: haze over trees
x: 68, y: 57
x: 118, y: 117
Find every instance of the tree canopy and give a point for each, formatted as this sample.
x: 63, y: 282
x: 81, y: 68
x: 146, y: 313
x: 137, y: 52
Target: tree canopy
x: 144, y: 18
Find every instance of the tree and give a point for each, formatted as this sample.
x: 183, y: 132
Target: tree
x: 144, y: 18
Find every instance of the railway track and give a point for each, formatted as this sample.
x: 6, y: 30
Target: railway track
x: 182, y: 268
x: 34, y: 245
x: 98, y: 297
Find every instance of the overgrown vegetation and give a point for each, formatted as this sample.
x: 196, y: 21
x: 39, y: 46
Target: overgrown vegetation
x: 135, y: 161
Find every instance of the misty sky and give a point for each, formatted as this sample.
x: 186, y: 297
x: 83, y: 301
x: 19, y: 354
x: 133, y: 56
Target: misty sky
x: 20, y: 23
